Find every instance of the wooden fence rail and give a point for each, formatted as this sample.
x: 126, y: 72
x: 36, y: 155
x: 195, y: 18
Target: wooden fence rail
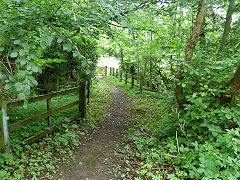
x: 83, y: 91
x: 41, y: 97
x: 140, y: 80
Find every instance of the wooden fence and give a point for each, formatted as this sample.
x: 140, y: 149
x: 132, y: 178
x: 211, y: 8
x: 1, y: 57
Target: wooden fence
x: 125, y: 76
x: 5, y: 129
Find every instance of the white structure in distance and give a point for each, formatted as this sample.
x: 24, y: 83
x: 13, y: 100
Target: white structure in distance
x: 109, y: 62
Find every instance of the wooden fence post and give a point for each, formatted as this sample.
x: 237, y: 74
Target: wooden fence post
x: 113, y: 72
x: 141, y: 84
x: 120, y: 75
x: 4, y: 136
x: 82, y: 98
x: 56, y: 83
x: 126, y: 77
x: 110, y: 71
x: 105, y: 71
x: 132, y: 81
x: 116, y: 73
x: 88, y: 90
x: 48, y: 109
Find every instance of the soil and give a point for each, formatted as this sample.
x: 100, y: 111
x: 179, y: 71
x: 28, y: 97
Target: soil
x: 97, y: 155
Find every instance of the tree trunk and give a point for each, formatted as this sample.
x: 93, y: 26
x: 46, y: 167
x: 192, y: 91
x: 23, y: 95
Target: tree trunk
x: 202, y: 36
x: 144, y: 71
x: 151, y: 76
x: 121, y: 59
x: 189, y: 51
x: 150, y: 64
x: 138, y: 69
x: 195, y: 33
x: 235, y: 82
x: 227, y: 25
x: 234, y: 85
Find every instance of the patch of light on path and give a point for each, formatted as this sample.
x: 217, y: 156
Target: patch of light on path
x: 109, y: 62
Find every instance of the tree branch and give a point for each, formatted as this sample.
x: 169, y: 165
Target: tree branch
x: 144, y: 4
x: 165, y: 80
x: 137, y: 28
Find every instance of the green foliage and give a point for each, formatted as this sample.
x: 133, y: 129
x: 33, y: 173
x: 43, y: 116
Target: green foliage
x: 48, y: 62
x: 152, y: 150
x: 64, y: 29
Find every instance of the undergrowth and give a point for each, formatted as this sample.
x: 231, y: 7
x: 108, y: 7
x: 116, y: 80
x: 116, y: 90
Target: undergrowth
x: 160, y: 147
x: 41, y: 160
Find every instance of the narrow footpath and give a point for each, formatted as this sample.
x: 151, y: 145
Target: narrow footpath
x: 96, y: 157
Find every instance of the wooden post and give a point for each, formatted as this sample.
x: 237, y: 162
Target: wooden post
x: 126, y: 77
x: 113, y: 72
x: 120, y: 75
x: 88, y: 90
x: 48, y: 109
x: 141, y: 84
x: 82, y: 98
x: 132, y: 81
x: 56, y: 83
x: 4, y: 136
x: 105, y: 70
x: 110, y: 71
x: 116, y: 73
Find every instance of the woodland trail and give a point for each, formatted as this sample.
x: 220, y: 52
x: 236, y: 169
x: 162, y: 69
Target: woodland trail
x: 96, y: 156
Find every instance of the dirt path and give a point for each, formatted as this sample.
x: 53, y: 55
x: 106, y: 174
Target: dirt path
x: 96, y: 156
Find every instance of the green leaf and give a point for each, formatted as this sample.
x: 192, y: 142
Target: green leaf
x: 7, y: 87
x: 23, y: 62
x: 1, y: 49
x: 43, y: 45
x: 13, y: 54
x: 27, y: 87
x: 49, y: 40
x: 59, y: 40
x: 34, y: 82
x: 18, y: 86
x: 88, y: 71
x: 17, y: 42
x: 21, y: 96
x: 84, y: 64
x: 21, y: 52
x: 75, y: 54
x: 34, y: 68
x: 29, y: 67
x: 21, y: 74
x: 228, y: 116
x: 67, y: 47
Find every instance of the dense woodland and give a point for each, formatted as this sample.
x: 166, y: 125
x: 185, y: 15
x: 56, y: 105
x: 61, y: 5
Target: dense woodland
x: 187, y: 51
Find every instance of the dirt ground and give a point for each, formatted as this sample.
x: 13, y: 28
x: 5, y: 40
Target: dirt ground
x: 96, y: 157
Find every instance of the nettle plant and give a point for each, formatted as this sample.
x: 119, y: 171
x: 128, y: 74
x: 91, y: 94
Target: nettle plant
x: 209, y: 124
x: 204, y: 85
